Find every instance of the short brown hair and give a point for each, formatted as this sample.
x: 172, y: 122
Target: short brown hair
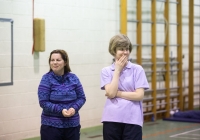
x: 117, y: 41
x: 64, y: 57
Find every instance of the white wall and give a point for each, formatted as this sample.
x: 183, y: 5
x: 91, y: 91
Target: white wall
x: 82, y: 28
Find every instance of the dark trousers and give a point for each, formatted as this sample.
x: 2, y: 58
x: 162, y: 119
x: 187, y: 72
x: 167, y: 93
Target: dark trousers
x: 53, y: 133
x: 121, y: 131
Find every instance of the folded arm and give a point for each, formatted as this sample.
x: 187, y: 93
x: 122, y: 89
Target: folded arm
x: 137, y: 95
x: 112, y: 88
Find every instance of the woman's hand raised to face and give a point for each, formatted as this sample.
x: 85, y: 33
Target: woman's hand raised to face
x: 121, y: 63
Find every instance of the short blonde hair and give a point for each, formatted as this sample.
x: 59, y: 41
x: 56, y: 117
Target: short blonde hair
x: 119, y: 41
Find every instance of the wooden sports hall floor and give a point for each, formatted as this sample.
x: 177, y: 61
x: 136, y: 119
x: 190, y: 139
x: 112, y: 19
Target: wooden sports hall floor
x: 157, y: 130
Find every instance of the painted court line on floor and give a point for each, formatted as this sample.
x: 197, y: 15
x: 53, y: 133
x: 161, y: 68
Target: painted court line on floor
x: 181, y: 135
x: 195, y: 134
x: 168, y: 131
x: 188, y: 138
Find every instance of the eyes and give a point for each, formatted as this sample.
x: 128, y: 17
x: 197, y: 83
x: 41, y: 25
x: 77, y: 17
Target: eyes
x: 56, y: 60
x: 123, y: 49
x: 56, y: 57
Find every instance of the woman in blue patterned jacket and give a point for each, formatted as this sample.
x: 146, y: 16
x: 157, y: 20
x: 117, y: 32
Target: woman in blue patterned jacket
x: 61, y: 95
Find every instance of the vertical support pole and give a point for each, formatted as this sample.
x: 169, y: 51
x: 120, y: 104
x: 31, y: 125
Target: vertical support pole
x: 167, y: 60
x: 139, y: 31
x: 191, y: 52
x: 123, y: 16
x: 153, y: 55
x: 179, y: 54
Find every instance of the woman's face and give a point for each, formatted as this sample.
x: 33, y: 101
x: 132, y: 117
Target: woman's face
x: 121, y: 51
x: 57, y: 64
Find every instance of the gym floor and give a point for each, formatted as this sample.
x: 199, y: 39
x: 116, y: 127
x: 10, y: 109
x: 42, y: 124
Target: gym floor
x: 157, y: 130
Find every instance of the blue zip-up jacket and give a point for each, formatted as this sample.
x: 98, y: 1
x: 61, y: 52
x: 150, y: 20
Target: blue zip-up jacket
x: 56, y: 93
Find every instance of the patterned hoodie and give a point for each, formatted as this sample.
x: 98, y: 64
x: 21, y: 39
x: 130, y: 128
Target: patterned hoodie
x: 56, y: 93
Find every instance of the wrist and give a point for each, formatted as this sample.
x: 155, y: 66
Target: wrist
x: 118, y: 94
x: 117, y: 72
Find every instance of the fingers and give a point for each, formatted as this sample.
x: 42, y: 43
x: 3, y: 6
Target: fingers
x: 68, y: 113
x: 72, y: 110
x: 120, y: 63
x: 122, y: 60
x: 65, y: 113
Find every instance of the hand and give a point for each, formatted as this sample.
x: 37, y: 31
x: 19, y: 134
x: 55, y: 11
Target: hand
x: 121, y: 63
x: 68, y: 113
x: 72, y: 110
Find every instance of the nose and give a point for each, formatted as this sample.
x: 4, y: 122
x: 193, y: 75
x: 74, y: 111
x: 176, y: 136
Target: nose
x: 54, y: 61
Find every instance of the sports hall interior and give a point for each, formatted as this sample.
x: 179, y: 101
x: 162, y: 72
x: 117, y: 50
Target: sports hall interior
x: 165, y: 35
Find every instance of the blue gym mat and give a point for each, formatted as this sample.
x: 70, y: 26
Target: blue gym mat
x: 185, y: 116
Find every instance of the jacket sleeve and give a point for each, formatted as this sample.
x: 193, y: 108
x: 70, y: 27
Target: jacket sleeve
x: 44, y: 91
x: 81, y: 99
